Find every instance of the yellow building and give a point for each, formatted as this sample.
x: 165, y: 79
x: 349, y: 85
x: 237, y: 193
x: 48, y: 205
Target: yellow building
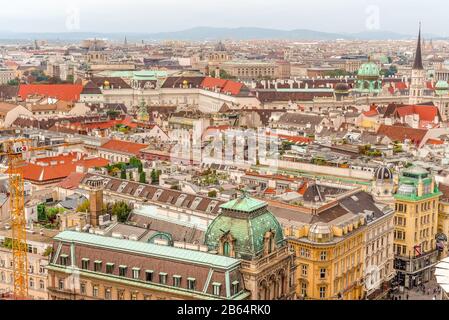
x: 343, y: 242
x: 443, y: 222
x: 329, y: 261
x: 416, y: 223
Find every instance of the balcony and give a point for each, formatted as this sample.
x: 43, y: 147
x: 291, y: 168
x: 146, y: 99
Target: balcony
x: 259, y: 263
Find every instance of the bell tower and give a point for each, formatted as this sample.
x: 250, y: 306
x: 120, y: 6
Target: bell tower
x: 417, y: 85
x: 95, y: 188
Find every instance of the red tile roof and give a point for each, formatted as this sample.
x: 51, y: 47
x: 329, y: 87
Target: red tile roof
x: 400, y: 133
x: 72, y: 181
x: 65, y: 92
x: 225, y: 86
x: 124, y: 146
x: 371, y: 113
x: 59, y: 167
x: 435, y: 141
x: 426, y: 113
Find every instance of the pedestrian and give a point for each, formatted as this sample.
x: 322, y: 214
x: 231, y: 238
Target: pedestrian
x: 406, y: 296
x: 399, y: 297
x: 434, y: 298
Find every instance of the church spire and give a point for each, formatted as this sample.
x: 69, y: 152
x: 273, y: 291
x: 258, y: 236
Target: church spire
x: 418, y: 55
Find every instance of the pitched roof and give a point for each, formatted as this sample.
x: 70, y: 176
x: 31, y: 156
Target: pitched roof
x: 6, y: 107
x: 124, y: 146
x: 417, y: 65
x: 72, y: 181
x: 400, y: 133
x: 244, y: 203
x: 66, y: 92
x: 58, y: 167
x: 225, y: 86
x: 426, y: 113
x: 136, y: 247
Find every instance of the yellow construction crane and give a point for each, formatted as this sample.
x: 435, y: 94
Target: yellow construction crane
x: 14, y: 149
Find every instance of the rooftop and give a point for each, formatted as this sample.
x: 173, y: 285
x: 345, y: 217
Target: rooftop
x: 244, y: 203
x: 166, y: 252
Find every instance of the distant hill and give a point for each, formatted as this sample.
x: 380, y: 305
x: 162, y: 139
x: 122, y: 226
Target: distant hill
x: 213, y: 34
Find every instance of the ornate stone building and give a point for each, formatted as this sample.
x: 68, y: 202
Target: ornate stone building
x: 247, y: 230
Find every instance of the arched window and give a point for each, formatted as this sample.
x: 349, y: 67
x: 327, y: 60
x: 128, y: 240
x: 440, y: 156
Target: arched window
x: 226, y: 249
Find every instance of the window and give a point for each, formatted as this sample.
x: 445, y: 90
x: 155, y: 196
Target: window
x: 191, y: 283
x: 120, y: 294
x: 97, y: 266
x: 95, y: 291
x: 323, y: 255
x: 83, y: 288
x: 304, y: 269
x: 176, y: 281
x: 136, y: 273
x: 42, y: 285
x: 216, y: 288
x: 84, y: 264
x: 134, y: 295
x: 304, y: 289
x: 122, y: 271
x: 107, y: 293
x: 322, y: 273
x: 31, y: 282
x: 226, y: 249
x: 322, y: 292
x: 149, y: 275
x: 162, y: 278
x: 235, y: 287
x: 109, y: 268
x: 63, y: 259
x: 61, y: 284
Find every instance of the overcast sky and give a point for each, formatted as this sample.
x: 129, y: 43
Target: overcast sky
x: 172, y: 15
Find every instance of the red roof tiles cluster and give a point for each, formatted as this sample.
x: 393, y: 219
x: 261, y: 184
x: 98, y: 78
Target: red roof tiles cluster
x: 124, y: 146
x: 49, y: 169
x: 225, y: 86
x: 65, y: 92
x: 401, y: 133
x: 426, y: 113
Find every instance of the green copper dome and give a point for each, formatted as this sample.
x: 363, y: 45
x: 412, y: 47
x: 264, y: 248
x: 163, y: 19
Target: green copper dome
x: 368, y: 70
x: 247, y: 221
x: 442, y: 87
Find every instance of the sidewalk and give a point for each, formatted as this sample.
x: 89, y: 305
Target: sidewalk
x: 416, y: 294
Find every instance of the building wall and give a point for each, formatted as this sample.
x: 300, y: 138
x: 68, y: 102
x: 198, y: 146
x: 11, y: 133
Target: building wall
x: 342, y: 263
x: 37, y: 274
x: 379, y: 255
x: 443, y: 224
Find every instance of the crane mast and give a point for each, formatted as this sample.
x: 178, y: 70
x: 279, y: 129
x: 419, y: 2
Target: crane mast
x: 14, y: 150
x: 19, y: 244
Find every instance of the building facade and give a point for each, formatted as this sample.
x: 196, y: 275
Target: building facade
x: 416, y: 223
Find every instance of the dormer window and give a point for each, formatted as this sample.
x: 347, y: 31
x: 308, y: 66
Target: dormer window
x: 227, y: 245
x: 269, y: 242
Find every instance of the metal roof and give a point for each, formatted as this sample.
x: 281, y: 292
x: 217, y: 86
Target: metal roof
x: 149, y: 249
x: 442, y: 274
x: 244, y: 203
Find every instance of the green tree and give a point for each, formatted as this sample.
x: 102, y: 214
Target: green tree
x: 121, y: 210
x: 143, y: 177
x: 123, y: 174
x: 84, y: 207
x: 155, y: 176
x: 41, y: 216
x: 212, y: 194
x: 70, y: 78
x: 14, y: 82
x: 134, y: 162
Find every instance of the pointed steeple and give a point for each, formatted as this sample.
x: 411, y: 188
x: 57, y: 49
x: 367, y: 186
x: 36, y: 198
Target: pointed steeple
x: 417, y: 65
